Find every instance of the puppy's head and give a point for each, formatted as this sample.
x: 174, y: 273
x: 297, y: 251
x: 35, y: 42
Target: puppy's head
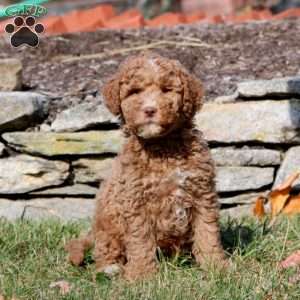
x: 154, y: 95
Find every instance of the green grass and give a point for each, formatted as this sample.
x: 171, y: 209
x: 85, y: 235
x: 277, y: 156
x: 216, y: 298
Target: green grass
x: 32, y: 256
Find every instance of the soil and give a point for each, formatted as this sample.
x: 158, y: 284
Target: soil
x: 221, y: 55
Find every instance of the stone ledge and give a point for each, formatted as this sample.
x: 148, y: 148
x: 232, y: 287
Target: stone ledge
x: 65, y: 209
x: 91, y: 170
x: 70, y: 144
x: 68, y: 191
x: 234, y: 179
x: 246, y: 156
x: 22, y: 174
x: 280, y: 87
x: 83, y: 116
x: 247, y: 198
x: 21, y: 109
x: 254, y: 121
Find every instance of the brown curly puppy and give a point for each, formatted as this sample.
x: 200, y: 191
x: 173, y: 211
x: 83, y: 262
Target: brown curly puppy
x: 161, y: 192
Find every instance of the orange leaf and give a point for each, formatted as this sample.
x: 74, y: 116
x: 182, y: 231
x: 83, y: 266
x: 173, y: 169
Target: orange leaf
x: 278, y: 200
x: 291, y: 261
x: 292, y: 206
x: 279, y: 196
x: 259, y: 209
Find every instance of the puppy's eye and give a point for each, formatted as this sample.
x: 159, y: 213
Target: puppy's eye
x: 134, y: 91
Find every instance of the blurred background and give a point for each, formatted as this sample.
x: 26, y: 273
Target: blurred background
x: 152, y: 8
x: 89, y: 15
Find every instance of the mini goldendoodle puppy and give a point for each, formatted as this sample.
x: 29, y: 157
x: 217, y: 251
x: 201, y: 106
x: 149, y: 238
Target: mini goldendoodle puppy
x: 161, y: 192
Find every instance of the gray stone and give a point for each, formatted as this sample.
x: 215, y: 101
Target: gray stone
x: 227, y: 98
x: 2, y: 148
x: 83, y: 116
x: 232, y: 179
x: 72, y: 190
x: 11, y: 74
x: 237, y: 212
x: 22, y: 174
x: 287, y: 86
x: 89, y: 170
x: 247, y: 198
x: 45, y: 128
x: 20, y: 109
x: 77, y: 143
x: 11, y: 210
x: 253, y: 121
x: 65, y: 209
x: 290, y: 165
x: 229, y: 156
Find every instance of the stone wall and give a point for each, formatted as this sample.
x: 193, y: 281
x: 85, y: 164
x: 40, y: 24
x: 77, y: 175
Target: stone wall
x: 55, y: 170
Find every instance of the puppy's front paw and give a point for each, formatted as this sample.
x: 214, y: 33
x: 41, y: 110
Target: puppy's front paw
x: 112, y: 270
x: 108, y: 272
x: 132, y: 274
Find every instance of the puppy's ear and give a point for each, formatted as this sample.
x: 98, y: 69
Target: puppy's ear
x: 192, y: 94
x: 111, y: 93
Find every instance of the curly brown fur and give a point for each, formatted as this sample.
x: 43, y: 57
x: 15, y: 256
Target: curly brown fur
x: 78, y: 247
x: 161, y: 192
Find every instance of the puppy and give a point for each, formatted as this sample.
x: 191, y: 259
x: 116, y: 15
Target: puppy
x: 161, y: 192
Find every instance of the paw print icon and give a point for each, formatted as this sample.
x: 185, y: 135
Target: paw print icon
x: 24, y: 31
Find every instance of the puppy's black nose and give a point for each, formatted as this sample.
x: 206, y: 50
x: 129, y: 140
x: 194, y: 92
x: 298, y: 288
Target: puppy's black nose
x: 150, y: 111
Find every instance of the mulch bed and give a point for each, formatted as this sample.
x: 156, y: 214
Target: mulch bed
x: 72, y: 66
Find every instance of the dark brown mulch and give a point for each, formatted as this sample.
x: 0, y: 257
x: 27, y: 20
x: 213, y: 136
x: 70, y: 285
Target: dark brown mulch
x: 221, y: 55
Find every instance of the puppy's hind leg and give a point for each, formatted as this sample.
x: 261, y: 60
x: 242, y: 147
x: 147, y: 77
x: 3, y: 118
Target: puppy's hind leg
x: 77, y: 248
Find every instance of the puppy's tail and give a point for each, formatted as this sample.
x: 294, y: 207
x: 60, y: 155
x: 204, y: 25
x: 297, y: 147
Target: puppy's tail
x: 77, y: 248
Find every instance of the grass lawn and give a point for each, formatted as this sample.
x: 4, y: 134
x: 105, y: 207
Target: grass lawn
x: 32, y: 257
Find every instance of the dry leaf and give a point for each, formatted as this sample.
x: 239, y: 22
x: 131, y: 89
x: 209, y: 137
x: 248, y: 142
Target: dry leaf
x: 259, y: 209
x: 2, y: 298
x: 292, y: 206
x: 279, y: 196
x: 64, y: 286
x: 291, y: 261
x: 289, y: 181
x: 278, y: 200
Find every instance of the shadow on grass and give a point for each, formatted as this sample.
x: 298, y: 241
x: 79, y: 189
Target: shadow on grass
x: 238, y: 235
